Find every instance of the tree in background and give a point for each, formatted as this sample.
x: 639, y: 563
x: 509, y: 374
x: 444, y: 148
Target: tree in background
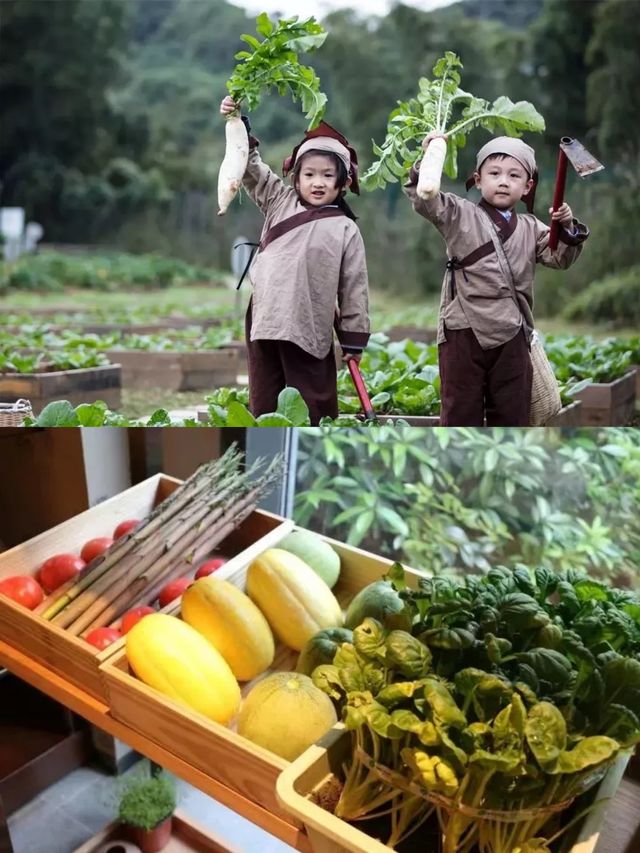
x: 66, y: 154
x: 613, y: 90
x: 559, y: 41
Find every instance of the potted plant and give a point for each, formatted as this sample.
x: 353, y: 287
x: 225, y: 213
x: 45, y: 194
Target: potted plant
x: 146, y: 809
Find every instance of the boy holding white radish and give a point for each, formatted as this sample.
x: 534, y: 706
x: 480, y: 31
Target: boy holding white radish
x: 310, y: 259
x: 485, y: 321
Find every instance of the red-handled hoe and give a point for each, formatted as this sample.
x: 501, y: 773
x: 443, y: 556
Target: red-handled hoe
x: 361, y: 389
x: 584, y: 163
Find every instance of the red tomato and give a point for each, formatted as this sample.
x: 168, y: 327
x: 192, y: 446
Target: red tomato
x: 132, y: 617
x: 173, y: 589
x: 58, y: 569
x: 125, y: 527
x: 94, y: 547
x: 210, y: 566
x: 103, y: 637
x: 23, y: 589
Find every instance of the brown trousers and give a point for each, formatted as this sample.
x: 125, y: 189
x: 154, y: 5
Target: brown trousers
x: 475, y: 383
x: 273, y: 365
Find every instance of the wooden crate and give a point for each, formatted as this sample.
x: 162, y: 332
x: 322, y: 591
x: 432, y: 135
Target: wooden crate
x: 636, y: 367
x: 419, y: 334
x: 330, y: 834
x: 187, y: 836
x: 67, y: 655
x: 77, y: 386
x: 608, y: 403
x: 177, y: 371
x: 215, y: 749
x: 568, y: 416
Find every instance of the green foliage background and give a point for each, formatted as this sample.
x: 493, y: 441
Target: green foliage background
x: 111, y: 132
x: 453, y: 500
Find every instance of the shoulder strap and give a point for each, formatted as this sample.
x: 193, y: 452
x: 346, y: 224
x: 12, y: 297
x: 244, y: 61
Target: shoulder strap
x: 503, y: 260
x: 286, y: 225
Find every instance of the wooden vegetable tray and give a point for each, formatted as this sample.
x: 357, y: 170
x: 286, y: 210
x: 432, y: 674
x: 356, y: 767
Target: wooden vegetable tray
x: 215, y: 749
x: 60, y: 651
x: 330, y: 834
x: 187, y: 836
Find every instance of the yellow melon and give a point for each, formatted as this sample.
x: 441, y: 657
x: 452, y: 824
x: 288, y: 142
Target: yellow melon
x: 285, y: 713
x: 232, y: 623
x: 175, y: 659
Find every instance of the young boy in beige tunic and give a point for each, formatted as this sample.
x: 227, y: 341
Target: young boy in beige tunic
x: 309, y: 273
x: 485, y: 319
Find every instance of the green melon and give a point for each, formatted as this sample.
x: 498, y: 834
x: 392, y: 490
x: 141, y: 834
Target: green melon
x: 286, y: 713
x: 321, y: 648
x: 315, y: 552
x: 380, y: 601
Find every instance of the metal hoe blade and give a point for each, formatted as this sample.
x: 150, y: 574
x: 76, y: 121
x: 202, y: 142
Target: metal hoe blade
x: 583, y: 162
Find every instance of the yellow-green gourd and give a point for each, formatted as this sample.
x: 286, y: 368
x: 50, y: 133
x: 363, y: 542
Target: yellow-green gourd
x: 285, y: 713
x: 296, y: 602
x: 232, y: 623
x: 175, y: 659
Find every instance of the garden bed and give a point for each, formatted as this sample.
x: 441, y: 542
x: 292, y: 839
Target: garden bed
x: 329, y: 834
x: 420, y: 334
x: 608, y: 403
x: 568, y: 416
x: 84, y: 385
x: 177, y: 371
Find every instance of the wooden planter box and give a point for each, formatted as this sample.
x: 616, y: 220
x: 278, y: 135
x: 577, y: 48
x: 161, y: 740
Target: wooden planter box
x: 186, y: 836
x: 177, y: 371
x: 330, y: 834
x: 609, y: 403
x: 218, y: 750
x: 636, y: 367
x: 77, y: 386
x: 420, y: 334
x: 63, y: 653
x: 569, y: 416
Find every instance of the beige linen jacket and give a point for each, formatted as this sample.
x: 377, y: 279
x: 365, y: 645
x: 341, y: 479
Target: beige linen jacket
x: 299, y: 278
x: 479, y: 296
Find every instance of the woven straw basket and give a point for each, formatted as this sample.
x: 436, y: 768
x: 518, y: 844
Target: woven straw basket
x: 545, y: 393
x: 13, y: 414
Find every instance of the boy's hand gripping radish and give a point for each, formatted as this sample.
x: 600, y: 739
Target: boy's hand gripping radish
x: 441, y: 109
x: 270, y: 62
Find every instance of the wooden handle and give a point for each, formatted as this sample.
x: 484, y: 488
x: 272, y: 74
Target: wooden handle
x: 558, y: 198
x: 354, y: 370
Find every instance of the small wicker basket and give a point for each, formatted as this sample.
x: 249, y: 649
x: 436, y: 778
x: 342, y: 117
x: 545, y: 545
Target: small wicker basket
x: 13, y: 414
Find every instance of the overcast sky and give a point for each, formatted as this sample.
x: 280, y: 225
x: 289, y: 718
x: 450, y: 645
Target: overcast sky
x: 319, y: 8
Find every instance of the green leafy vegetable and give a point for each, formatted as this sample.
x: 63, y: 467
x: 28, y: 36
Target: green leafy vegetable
x: 273, y: 63
x: 443, y: 107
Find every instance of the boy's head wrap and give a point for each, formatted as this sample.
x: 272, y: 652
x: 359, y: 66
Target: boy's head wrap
x: 325, y: 138
x: 517, y: 149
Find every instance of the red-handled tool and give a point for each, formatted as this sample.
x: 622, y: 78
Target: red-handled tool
x: 571, y: 151
x: 358, y: 381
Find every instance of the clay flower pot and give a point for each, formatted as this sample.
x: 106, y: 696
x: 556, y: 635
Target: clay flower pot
x: 152, y: 840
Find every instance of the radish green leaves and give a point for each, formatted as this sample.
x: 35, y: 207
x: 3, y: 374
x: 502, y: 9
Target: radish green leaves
x: 442, y: 107
x: 273, y: 62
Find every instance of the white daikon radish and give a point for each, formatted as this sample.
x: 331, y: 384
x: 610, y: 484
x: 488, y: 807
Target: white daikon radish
x: 234, y: 164
x: 430, y: 173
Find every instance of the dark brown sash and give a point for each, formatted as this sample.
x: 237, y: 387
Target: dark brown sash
x: 291, y: 222
x: 286, y: 225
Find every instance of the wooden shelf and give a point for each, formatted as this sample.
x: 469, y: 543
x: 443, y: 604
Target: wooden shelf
x: 97, y: 712
x: 620, y: 833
